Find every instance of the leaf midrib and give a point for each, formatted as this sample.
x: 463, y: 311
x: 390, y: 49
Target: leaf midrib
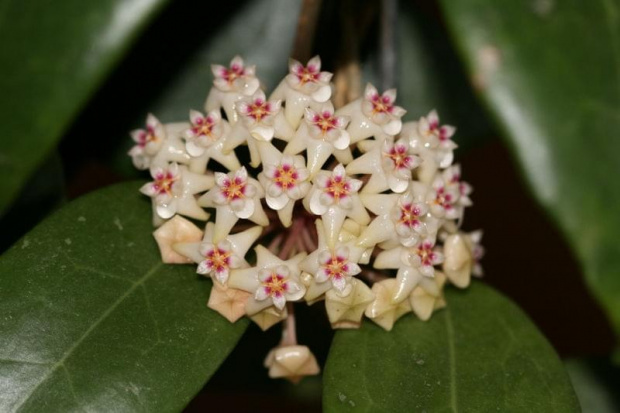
x: 61, y: 363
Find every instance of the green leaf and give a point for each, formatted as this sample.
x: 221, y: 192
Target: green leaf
x: 550, y: 73
x: 595, y: 383
x: 261, y: 31
x: 53, y: 56
x: 480, y: 354
x: 92, y: 320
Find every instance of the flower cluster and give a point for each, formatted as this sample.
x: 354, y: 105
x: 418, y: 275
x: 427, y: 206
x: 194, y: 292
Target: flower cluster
x: 349, y: 206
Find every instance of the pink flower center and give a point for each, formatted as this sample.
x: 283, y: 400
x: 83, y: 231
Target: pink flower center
x: 164, y: 182
x: 410, y: 215
x: 308, y: 74
x: 259, y: 109
x: 326, y: 121
x: 203, y: 127
x: 285, y: 176
x: 147, y: 136
x: 381, y: 104
x: 443, y: 199
x: 218, y: 259
x: 426, y: 254
x: 336, y: 267
x: 398, y: 155
x: 232, y: 74
x: 338, y: 187
x: 275, y: 285
x: 234, y: 188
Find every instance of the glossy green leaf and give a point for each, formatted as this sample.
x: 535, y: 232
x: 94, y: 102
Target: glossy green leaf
x: 480, y: 354
x: 53, y: 55
x: 261, y: 31
x: 93, y: 321
x: 550, y: 73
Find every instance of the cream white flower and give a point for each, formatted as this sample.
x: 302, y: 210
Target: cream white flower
x: 173, y: 189
x: 389, y: 165
x: 204, y: 140
x: 217, y: 259
x: 285, y: 179
x: 235, y: 196
x: 292, y: 363
x: 334, y: 197
x: 416, y: 265
x: 331, y: 267
x: 462, y: 257
x: 432, y: 142
x: 373, y: 115
x: 272, y: 281
x: 321, y: 135
x: 304, y: 86
x: 148, y: 142
x: 231, y: 84
x: 384, y: 310
x: 401, y: 219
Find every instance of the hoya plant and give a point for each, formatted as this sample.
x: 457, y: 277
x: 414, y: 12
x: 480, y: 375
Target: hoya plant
x: 268, y: 205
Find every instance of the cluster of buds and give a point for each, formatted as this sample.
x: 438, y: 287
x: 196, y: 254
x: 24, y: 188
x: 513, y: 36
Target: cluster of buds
x: 350, y: 206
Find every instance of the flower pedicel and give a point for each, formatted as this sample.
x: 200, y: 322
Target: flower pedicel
x: 328, y: 199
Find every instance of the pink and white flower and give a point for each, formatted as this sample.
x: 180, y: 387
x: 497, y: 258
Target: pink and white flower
x: 257, y: 110
x: 204, y: 131
x: 308, y: 79
x: 287, y: 181
x: 235, y: 190
x: 424, y: 256
x: 237, y: 77
x: 432, y: 140
x: 272, y: 281
x: 148, y: 142
x: 219, y: 259
x: 380, y: 108
x: 334, y: 189
x: 389, y: 165
x: 166, y: 187
x: 336, y: 267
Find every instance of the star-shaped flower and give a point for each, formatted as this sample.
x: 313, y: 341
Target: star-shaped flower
x: 400, y: 219
x: 322, y: 134
x: 235, y: 196
x: 415, y: 266
x: 158, y: 144
x: 423, y: 302
x: 229, y: 302
x: 272, y: 281
x: 173, y: 191
x: 257, y: 124
x: 304, y: 86
x: 267, y: 318
x: 217, y: 259
x: 175, y: 230
x: 231, y: 84
x: 431, y: 141
x: 148, y: 142
x: 389, y: 165
x: 204, y: 140
x: 373, y: 115
x: 285, y: 179
x: 292, y: 363
x: 383, y: 310
x: 334, y: 197
x: 347, y: 311
x: 331, y: 267
x: 445, y: 198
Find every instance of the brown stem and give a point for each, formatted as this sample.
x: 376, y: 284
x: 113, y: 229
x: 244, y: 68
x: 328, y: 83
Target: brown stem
x: 306, y: 28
